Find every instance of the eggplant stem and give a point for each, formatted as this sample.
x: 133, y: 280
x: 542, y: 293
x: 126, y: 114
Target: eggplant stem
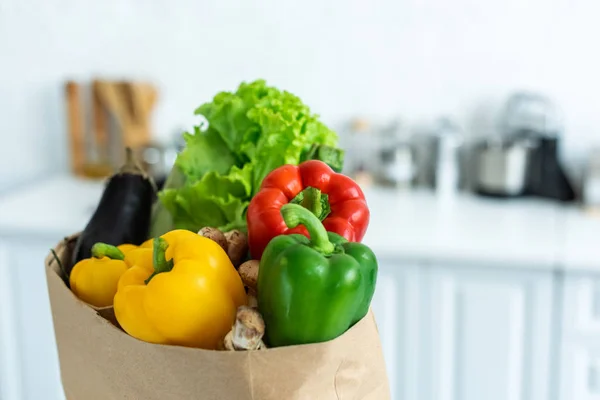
x: 131, y: 166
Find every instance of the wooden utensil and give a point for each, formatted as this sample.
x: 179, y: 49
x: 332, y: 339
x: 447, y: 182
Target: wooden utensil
x: 75, y: 127
x: 80, y: 163
x: 112, y: 100
x: 136, y: 94
x: 100, y: 124
x: 128, y: 103
x: 150, y: 96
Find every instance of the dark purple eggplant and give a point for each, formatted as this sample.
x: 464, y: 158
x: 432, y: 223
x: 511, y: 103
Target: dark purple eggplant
x: 123, y: 213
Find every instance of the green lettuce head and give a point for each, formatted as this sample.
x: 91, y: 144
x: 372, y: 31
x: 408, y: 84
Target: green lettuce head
x: 250, y: 132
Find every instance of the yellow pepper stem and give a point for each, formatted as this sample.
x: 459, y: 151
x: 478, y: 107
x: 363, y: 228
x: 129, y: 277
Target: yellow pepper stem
x: 101, y: 250
x: 159, y: 260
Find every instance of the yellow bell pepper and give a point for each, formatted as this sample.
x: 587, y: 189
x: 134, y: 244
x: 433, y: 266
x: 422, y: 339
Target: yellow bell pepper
x: 125, y: 248
x: 187, y: 296
x: 94, y: 280
x: 140, y: 265
x: 139, y: 256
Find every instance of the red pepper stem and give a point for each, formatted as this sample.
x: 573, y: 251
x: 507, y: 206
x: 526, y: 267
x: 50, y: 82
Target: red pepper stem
x: 159, y: 259
x: 294, y: 215
x: 315, y: 201
x: 101, y: 250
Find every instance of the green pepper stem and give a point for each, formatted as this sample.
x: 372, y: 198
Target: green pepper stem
x: 315, y: 201
x: 294, y: 215
x: 159, y: 260
x: 100, y: 250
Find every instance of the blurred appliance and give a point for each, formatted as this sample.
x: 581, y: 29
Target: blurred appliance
x: 591, y: 181
x: 361, y: 151
x: 502, y: 167
x: 524, y: 160
x: 157, y: 159
x: 546, y: 176
x: 439, y: 156
x: 397, y: 164
x: 447, y: 144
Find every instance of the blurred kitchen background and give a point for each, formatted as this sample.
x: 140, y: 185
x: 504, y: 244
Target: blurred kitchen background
x: 472, y: 126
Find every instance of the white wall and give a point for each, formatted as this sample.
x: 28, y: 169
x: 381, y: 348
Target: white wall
x: 413, y: 58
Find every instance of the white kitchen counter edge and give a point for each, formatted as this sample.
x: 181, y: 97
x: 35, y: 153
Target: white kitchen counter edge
x: 520, y: 233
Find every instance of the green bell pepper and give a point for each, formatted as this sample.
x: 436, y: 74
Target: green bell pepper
x: 313, y: 290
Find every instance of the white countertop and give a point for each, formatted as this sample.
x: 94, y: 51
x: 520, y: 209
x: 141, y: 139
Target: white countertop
x: 413, y: 225
x: 52, y: 208
x: 581, y: 240
x: 467, y: 228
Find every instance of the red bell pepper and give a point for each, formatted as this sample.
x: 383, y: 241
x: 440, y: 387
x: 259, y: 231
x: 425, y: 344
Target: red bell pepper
x: 335, y: 198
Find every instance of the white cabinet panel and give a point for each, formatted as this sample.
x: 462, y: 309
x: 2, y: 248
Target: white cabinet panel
x: 582, y: 305
x: 10, y: 378
x: 397, y: 310
x: 488, y: 334
x: 580, y: 356
x: 580, y: 371
x: 37, y: 362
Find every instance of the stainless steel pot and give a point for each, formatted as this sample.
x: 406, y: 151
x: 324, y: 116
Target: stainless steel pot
x: 502, y: 167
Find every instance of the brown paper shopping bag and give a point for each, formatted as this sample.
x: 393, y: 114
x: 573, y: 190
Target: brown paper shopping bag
x: 99, y: 361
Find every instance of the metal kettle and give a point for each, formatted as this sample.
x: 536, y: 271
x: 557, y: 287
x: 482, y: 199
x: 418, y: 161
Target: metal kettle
x: 502, y: 167
x: 503, y: 161
x: 523, y: 161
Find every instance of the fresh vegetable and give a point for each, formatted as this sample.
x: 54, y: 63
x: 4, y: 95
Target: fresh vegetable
x: 126, y: 247
x: 123, y: 214
x: 313, y: 290
x: 188, y: 297
x: 140, y: 265
x: 138, y: 256
x: 334, y: 198
x: 148, y: 244
x: 330, y: 155
x: 94, y: 280
x: 250, y: 132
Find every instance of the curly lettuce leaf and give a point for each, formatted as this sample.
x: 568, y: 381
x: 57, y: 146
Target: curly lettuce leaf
x: 204, y: 152
x: 251, y: 132
x: 223, y: 199
x: 287, y: 130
